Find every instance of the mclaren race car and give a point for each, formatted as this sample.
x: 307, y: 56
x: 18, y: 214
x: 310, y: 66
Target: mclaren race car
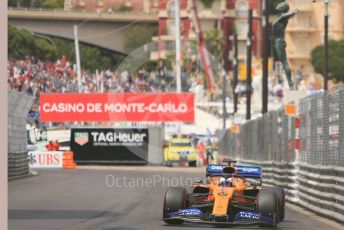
x: 231, y: 195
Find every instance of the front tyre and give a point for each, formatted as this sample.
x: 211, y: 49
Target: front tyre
x: 175, y: 199
x: 281, y: 202
x: 267, y: 204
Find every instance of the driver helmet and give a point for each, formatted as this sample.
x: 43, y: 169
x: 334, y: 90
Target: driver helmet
x: 225, y: 182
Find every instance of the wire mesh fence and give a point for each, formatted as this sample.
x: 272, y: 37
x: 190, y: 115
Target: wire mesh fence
x: 315, y: 136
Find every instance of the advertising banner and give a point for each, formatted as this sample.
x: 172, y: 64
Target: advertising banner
x: 110, y: 145
x: 42, y: 159
x: 139, y: 107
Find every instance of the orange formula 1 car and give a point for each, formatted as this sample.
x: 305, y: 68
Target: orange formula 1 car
x: 230, y: 196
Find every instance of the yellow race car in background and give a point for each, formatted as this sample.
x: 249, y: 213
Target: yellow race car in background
x: 180, y: 150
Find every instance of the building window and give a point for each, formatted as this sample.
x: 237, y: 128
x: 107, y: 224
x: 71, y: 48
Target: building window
x: 242, y: 9
x: 242, y: 48
x: 155, y: 3
x: 81, y: 3
x: 99, y: 3
x: 241, y: 27
x: 171, y: 8
x: 171, y: 27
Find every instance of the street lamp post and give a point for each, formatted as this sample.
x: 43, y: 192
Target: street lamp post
x: 326, y: 15
x: 77, y: 54
x: 326, y: 45
x: 235, y: 73
x: 266, y: 45
x: 177, y: 35
x: 249, y: 67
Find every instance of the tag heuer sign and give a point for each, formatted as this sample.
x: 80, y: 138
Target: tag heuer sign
x: 81, y: 138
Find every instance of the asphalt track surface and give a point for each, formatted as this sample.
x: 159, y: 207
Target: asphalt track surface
x: 92, y: 198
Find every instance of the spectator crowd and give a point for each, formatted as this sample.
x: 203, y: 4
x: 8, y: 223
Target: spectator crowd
x: 34, y: 76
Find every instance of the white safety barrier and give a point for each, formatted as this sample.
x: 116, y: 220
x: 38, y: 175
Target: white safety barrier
x: 317, y: 188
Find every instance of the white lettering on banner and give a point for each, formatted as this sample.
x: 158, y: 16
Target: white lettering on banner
x: 117, y: 137
x: 140, y: 108
x: 94, y: 108
x: 63, y: 108
x: 45, y: 159
x: 167, y: 108
x: 114, y: 108
x: 120, y: 108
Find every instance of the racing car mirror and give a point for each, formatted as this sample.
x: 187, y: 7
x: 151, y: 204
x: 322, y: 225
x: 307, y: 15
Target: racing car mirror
x: 198, y: 181
x: 254, y: 182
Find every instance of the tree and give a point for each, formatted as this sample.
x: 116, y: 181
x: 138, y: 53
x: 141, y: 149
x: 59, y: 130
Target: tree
x: 92, y: 57
x: 138, y: 35
x: 215, y: 42
x: 22, y: 43
x: 53, y: 4
x: 45, y: 51
x: 50, y: 4
x: 207, y: 3
x: 13, y: 3
x: 336, y: 61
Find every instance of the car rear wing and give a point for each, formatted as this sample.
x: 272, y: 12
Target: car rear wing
x: 242, y: 171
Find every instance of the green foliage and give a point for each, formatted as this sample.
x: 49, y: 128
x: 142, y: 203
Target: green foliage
x: 207, y: 3
x: 50, y: 4
x: 138, y: 35
x: 91, y: 57
x: 215, y: 41
x: 124, y: 8
x: 45, y: 51
x: 336, y: 61
x: 22, y: 43
x: 53, y: 4
x: 13, y: 3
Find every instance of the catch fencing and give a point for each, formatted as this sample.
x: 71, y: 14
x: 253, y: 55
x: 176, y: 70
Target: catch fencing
x: 19, y: 105
x: 303, y: 154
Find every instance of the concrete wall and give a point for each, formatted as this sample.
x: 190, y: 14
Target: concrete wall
x: 155, y: 147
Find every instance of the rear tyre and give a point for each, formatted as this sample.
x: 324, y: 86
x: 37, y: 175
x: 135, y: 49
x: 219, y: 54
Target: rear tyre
x: 192, y: 164
x: 175, y: 199
x: 281, y: 202
x: 267, y: 204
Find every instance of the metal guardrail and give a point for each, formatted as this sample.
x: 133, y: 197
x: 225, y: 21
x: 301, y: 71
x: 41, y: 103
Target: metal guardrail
x: 303, y: 155
x: 317, y: 188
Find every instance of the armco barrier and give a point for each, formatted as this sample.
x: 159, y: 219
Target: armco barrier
x: 303, y: 154
x: 317, y: 188
x: 19, y: 105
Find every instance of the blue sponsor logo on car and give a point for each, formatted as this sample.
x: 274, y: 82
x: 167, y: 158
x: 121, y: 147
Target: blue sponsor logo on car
x: 247, y: 215
x: 188, y: 212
